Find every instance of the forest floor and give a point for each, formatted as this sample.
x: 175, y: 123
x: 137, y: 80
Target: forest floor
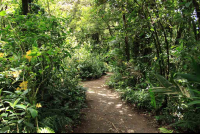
x: 107, y: 113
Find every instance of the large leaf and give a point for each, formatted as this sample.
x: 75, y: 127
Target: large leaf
x: 0, y: 91
x: 194, y: 103
x: 29, y: 124
x: 20, y: 121
x: 163, y: 81
x: 163, y: 90
x: 7, y: 92
x: 34, y: 113
x: 3, y: 13
x: 15, y: 103
x: 190, y: 77
x: 164, y: 130
x: 4, y: 115
x: 4, y: 129
x: 21, y: 106
x: 196, y: 67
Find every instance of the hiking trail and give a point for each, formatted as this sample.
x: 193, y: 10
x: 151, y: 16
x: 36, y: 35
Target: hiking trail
x: 107, y: 113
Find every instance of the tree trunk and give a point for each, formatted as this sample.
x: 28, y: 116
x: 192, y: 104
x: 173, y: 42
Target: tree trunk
x: 196, y: 5
x: 25, y: 6
x: 127, y: 47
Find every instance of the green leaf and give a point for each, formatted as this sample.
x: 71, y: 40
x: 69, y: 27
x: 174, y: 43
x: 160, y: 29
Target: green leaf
x: 15, y: 103
x: 4, y: 129
x: 34, y: 113
x: 195, y: 90
x: 4, y: 114
x: 13, y: 121
x: 45, y: 130
x: 3, y: 13
x: 153, y: 99
x: 20, y: 121
x: 1, y: 109
x: 7, y: 92
x: 0, y: 91
x: 29, y: 124
x: 188, y: 4
x: 23, y: 113
x: 196, y: 67
x: 165, y: 91
x: 50, y: 52
x: 163, y: 81
x: 164, y: 130
x: 190, y: 77
x: 160, y: 90
x: 25, y: 92
x: 21, y: 106
x: 194, y: 103
x: 152, y: 29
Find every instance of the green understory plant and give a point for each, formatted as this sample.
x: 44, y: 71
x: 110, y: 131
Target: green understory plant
x: 189, y: 101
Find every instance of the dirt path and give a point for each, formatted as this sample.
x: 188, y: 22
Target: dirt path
x: 106, y: 113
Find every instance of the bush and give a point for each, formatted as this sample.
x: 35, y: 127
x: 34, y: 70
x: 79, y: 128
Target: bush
x: 91, y: 68
x: 87, y: 65
x: 36, y: 85
x: 140, y: 98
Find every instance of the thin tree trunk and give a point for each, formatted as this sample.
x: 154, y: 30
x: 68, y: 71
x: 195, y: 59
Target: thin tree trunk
x: 166, y: 42
x: 155, y: 37
x: 48, y: 8
x: 109, y: 28
x: 167, y: 48
x: 158, y: 45
x: 196, y: 5
x: 25, y: 7
x: 195, y: 30
x: 179, y: 33
x: 127, y: 47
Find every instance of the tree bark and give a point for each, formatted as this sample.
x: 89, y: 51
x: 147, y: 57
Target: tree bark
x: 196, y: 5
x: 127, y: 47
x: 25, y: 6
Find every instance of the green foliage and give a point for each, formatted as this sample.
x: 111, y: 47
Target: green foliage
x: 16, y: 112
x: 34, y: 79
x: 164, y: 130
x: 57, y: 122
x: 190, y: 121
x: 141, y: 98
x: 189, y: 114
x: 45, y: 130
x: 127, y: 76
x: 91, y: 68
x: 46, y: 52
x: 87, y: 65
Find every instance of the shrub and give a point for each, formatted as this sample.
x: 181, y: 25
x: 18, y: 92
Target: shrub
x: 141, y: 98
x: 91, y: 68
x: 34, y: 78
x: 88, y: 66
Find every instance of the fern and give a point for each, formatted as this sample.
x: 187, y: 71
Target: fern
x: 190, y: 121
x: 57, y: 123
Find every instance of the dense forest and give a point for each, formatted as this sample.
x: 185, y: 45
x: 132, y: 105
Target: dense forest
x: 47, y: 47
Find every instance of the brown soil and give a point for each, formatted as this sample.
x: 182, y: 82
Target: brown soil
x: 107, y: 113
